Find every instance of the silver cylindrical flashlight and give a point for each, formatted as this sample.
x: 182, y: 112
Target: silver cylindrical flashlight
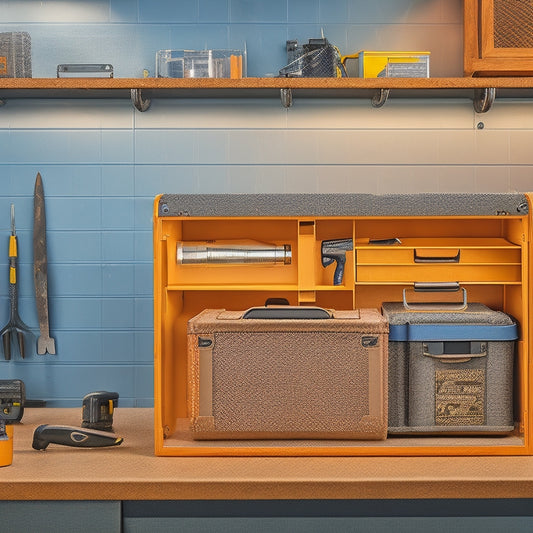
x: 232, y: 252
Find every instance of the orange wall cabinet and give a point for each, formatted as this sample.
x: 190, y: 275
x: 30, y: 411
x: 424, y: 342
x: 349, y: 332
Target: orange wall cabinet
x: 498, y: 38
x: 481, y: 241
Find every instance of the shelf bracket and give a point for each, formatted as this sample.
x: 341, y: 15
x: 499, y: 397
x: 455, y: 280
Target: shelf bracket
x: 483, y: 99
x: 140, y: 103
x: 286, y: 97
x: 380, y: 98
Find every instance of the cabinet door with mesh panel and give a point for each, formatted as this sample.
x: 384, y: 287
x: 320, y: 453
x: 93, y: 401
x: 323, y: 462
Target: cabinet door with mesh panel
x: 498, y: 37
x: 507, y: 28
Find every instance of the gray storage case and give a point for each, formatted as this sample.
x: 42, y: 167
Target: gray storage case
x: 450, y: 371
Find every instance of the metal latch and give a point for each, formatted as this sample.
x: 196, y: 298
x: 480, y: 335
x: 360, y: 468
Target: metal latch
x: 85, y: 70
x: 454, y: 351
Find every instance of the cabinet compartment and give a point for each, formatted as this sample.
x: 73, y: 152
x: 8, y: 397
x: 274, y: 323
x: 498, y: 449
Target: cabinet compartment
x: 493, y: 253
x: 243, y: 249
x: 464, y: 260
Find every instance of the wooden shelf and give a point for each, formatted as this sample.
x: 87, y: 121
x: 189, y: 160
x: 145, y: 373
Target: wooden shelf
x: 210, y: 287
x: 262, y: 87
x: 263, y: 83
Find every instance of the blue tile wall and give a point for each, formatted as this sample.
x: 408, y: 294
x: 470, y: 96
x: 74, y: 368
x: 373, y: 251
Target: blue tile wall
x: 102, y: 163
x: 129, y: 33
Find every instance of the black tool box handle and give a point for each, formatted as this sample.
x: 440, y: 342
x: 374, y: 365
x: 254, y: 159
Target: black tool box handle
x: 287, y: 312
x: 441, y: 259
x: 454, y: 351
x: 436, y: 286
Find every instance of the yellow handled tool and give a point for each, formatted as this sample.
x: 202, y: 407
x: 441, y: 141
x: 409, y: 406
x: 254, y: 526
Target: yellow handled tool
x: 15, y: 326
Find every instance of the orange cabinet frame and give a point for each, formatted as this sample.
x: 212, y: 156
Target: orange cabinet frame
x: 485, y: 239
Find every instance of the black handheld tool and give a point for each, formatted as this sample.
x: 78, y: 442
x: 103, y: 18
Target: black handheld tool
x: 72, y: 436
x: 12, y: 397
x: 97, y: 411
x: 334, y: 251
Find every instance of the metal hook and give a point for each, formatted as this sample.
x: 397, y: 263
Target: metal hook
x: 380, y: 98
x: 483, y: 99
x: 286, y: 97
x: 138, y: 102
x: 523, y: 208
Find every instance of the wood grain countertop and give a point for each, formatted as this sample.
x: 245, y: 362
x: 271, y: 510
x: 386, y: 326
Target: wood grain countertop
x: 131, y: 471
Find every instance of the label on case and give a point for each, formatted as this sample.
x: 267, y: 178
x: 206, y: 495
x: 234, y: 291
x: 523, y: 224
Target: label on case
x: 460, y: 397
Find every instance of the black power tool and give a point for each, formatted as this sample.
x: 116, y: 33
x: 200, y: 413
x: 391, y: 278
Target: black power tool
x: 12, y: 398
x: 97, y: 423
x: 97, y: 411
x: 72, y: 436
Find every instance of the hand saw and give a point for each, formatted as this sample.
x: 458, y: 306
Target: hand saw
x: 40, y: 274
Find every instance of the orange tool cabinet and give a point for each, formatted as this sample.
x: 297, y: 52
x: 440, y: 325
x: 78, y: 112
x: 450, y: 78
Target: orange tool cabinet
x: 480, y: 241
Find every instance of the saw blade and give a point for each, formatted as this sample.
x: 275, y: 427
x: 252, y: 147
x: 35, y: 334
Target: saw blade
x: 45, y: 344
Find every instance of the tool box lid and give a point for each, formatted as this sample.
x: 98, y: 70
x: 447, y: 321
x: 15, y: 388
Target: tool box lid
x: 476, y: 323
x: 357, y: 320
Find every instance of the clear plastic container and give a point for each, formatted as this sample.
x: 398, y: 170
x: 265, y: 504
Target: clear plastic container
x: 200, y: 64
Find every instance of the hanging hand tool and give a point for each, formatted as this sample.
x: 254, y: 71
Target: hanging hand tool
x: 15, y: 326
x: 72, y: 436
x: 40, y: 275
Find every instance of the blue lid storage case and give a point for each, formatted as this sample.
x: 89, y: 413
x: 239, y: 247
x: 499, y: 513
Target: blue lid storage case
x: 450, y: 371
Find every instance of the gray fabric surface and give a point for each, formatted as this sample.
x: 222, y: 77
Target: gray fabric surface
x: 257, y: 205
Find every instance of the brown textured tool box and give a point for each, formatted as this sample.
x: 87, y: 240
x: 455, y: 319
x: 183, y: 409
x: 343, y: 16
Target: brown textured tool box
x: 288, y: 373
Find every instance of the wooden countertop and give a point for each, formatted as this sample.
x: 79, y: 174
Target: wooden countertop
x: 131, y: 471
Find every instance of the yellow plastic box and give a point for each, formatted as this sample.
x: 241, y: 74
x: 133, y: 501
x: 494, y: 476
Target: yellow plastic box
x: 371, y: 64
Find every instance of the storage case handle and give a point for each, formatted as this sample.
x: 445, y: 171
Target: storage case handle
x: 433, y: 306
x: 454, y: 351
x: 287, y: 312
x: 437, y: 259
x: 455, y: 358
